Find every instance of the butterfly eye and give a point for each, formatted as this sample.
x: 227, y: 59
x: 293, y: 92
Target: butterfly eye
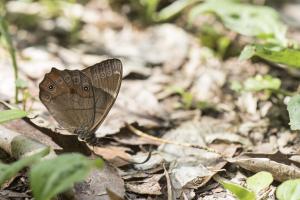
x: 51, y: 87
x: 86, y: 88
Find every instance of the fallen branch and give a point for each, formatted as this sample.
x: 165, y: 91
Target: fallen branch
x: 18, y: 146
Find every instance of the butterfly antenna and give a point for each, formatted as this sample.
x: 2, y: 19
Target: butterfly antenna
x: 146, y: 160
x: 139, y: 163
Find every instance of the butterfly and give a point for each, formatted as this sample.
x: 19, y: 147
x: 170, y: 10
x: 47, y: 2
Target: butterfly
x: 79, y: 100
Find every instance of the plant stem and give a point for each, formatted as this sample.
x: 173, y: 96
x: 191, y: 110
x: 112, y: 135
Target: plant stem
x: 11, y: 50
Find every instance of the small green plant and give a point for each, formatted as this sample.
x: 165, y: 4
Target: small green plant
x: 8, y: 115
x: 187, y: 100
x: 211, y: 38
x: 240, y: 192
x: 293, y: 108
x: 258, y: 83
x: 55, y: 7
x: 282, y: 55
x: 174, y: 9
x: 289, y: 190
x: 7, y: 42
x: 246, y: 19
x: 50, y: 177
x: 259, y: 22
x: 9, y: 171
x: 266, y: 83
x: 20, y: 85
x: 150, y: 11
x: 254, y: 185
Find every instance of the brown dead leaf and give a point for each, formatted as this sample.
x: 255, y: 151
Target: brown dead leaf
x: 98, y: 182
x: 147, y: 186
x: 145, y: 173
x: 114, y: 154
x: 190, y: 166
x: 155, y: 161
x: 187, y: 176
x: 112, y: 195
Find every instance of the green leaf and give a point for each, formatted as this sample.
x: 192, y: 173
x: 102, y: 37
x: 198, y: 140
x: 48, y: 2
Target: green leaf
x: 5, y: 34
x: 21, y: 83
x: 250, y: 20
x: 289, y: 190
x: 51, y: 177
x: 7, y: 171
x: 150, y: 6
x: 240, y: 192
x: 248, y: 52
x: 287, y: 56
x: 293, y: 108
x: 8, y: 115
x: 259, y: 181
x: 259, y: 83
x: 223, y: 44
x: 174, y: 8
x: 236, y: 86
x: 186, y: 97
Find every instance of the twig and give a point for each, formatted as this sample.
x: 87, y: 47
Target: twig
x: 18, y: 145
x: 169, y: 185
x: 164, y: 141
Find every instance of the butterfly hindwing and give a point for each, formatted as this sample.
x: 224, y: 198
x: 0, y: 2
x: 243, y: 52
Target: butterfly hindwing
x: 106, y: 78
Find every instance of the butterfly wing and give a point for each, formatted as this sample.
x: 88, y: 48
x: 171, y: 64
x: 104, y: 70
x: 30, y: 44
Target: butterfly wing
x: 69, y: 97
x: 106, y: 78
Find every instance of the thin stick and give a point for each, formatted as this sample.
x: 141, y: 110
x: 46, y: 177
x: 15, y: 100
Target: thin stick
x: 164, y: 141
x: 169, y: 185
x: 4, y: 31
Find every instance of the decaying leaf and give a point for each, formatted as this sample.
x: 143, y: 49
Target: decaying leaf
x: 96, y: 184
x: 147, y: 186
x: 115, y: 155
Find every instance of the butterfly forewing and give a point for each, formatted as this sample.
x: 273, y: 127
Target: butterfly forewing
x: 69, y: 97
x: 106, y: 79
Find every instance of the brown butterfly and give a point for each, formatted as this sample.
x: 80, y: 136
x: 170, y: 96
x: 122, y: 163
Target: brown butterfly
x: 80, y: 100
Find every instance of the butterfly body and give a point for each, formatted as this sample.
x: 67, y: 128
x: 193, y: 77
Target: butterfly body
x: 80, y: 100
